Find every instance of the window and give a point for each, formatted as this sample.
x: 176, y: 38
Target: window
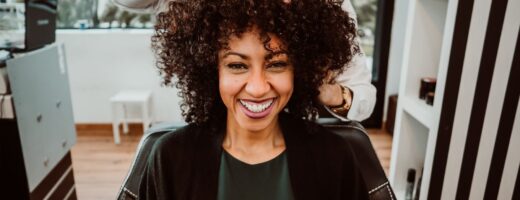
x: 366, y: 11
x: 374, y: 28
x: 84, y: 14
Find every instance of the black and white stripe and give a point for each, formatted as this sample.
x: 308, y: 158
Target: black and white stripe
x: 481, y: 98
x: 456, y: 61
x: 479, y: 130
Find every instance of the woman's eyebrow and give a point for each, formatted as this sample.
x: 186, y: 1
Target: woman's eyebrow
x: 273, y: 54
x: 229, y: 53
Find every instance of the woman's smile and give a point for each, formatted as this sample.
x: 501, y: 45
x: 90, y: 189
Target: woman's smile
x: 257, y: 109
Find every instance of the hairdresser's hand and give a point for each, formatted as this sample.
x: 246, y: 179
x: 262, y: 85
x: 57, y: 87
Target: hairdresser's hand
x: 330, y: 93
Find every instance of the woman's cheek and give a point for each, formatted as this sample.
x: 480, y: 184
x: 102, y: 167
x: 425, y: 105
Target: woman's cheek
x: 229, y: 86
x: 284, y: 85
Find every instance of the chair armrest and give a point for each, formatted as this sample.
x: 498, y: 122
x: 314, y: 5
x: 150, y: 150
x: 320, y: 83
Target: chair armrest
x: 130, y: 186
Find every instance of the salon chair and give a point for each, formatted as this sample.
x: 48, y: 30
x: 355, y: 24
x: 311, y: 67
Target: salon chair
x: 372, y: 171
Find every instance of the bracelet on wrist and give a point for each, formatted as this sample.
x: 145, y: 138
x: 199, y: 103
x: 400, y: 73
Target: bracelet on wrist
x: 345, y: 106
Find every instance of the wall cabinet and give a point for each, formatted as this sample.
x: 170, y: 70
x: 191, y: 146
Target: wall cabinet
x: 428, y: 37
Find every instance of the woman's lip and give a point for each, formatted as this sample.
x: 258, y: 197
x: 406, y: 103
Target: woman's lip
x: 257, y: 115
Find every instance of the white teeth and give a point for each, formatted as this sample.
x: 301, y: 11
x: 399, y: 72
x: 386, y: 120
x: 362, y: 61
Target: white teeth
x: 256, y: 107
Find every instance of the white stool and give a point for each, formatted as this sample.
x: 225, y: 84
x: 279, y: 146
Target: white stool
x: 130, y: 97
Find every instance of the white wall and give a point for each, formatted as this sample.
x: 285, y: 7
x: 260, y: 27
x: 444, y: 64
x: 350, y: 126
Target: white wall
x: 103, y: 62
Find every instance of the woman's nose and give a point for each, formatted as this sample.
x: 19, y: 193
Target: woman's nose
x: 257, y: 85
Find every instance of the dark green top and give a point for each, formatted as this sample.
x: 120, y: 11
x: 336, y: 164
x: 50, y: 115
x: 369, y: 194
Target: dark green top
x: 268, y: 180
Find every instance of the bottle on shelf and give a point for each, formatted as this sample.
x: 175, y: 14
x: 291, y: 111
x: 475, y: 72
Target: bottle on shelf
x: 429, y: 98
x: 427, y: 86
x: 418, y: 187
x: 410, y: 181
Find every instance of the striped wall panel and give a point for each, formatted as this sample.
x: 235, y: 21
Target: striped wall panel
x: 478, y: 143
x: 509, y: 182
x: 450, y: 97
x: 58, y: 184
x: 502, y: 104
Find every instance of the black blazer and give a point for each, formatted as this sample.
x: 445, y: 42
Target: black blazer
x: 184, y: 164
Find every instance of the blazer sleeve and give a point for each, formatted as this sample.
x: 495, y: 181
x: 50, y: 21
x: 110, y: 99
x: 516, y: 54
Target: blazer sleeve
x: 148, y: 183
x: 155, y: 181
x: 354, y: 186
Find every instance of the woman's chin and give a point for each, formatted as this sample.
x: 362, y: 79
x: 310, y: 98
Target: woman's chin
x: 255, y: 125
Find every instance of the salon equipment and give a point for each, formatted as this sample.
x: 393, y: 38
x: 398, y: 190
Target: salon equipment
x: 32, y: 24
x: 37, y: 142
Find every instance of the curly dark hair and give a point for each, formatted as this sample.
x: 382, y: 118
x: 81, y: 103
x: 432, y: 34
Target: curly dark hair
x: 318, y: 35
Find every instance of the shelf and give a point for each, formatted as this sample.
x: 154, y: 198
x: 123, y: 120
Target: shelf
x: 425, y: 53
x: 399, y: 194
x: 409, y: 152
x: 418, y: 109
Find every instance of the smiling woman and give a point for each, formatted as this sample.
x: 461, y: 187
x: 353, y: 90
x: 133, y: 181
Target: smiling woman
x: 249, y: 74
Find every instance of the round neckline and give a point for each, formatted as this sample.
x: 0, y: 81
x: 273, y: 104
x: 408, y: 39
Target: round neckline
x: 234, y: 159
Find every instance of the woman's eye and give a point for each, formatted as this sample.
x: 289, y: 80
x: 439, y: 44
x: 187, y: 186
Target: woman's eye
x: 237, y: 66
x: 279, y: 64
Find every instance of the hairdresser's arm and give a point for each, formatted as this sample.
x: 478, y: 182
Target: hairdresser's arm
x: 357, y: 80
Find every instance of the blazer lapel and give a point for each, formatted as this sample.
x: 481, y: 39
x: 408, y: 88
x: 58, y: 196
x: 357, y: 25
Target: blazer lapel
x: 207, y: 165
x: 302, y: 170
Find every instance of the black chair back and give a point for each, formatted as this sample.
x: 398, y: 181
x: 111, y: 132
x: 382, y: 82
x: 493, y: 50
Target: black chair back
x: 372, y: 172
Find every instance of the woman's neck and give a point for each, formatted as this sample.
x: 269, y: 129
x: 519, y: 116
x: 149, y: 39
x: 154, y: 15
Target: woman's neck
x: 253, y: 146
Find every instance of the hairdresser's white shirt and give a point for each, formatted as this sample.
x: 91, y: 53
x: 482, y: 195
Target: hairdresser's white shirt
x: 357, y: 77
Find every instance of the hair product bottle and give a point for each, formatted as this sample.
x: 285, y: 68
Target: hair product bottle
x: 418, y: 187
x: 410, y: 180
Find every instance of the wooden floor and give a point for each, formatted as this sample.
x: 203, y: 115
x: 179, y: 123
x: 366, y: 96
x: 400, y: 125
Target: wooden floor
x: 100, y: 166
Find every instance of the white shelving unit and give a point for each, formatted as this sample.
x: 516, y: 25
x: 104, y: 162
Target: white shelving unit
x: 428, y: 34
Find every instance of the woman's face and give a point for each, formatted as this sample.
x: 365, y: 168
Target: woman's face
x: 255, y: 84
